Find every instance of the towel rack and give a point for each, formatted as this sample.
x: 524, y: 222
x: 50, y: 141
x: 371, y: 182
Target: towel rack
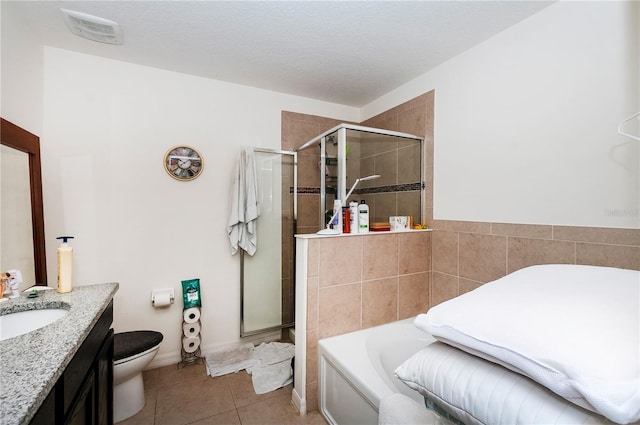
x: 620, y: 131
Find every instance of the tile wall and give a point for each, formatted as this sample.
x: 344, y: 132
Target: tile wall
x: 414, y: 117
x: 467, y: 254
x: 298, y: 129
x: 355, y: 282
x: 397, y: 161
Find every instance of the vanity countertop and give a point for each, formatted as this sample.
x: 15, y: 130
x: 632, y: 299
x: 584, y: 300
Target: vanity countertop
x: 32, y: 363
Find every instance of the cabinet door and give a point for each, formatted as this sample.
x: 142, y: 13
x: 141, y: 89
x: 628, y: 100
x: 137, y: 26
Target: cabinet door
x: 83, y: 411
x: 104, y: 382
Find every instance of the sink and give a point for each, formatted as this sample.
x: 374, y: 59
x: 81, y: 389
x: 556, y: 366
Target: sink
x: 16, y: 324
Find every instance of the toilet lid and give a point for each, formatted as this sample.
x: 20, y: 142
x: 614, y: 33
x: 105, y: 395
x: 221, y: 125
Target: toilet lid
x: 127, y: 344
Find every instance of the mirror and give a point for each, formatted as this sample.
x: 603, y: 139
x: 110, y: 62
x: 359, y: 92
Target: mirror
x: 21, y: 171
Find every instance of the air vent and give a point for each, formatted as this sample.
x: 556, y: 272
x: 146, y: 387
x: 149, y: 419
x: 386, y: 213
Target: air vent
x: 93, y: 27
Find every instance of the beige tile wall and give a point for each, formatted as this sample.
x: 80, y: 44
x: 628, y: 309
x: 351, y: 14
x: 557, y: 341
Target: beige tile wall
x: 414, y: 117
x: 296, y: 130
x: 467, y: 254
x: 362, y: 281
x: 355, y: 282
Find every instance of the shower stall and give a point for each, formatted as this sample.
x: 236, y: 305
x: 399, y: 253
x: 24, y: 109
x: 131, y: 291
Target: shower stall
x: 347, y: 153
x: 267, y: 278
x: 330, y: 164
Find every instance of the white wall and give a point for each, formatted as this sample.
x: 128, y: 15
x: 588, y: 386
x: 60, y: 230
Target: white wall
x: 525, y: 123
x: 21, y: 72
x: 107, y: 126
x: 20, y: 103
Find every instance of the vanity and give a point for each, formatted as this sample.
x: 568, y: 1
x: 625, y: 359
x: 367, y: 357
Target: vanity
x: 61, y: 373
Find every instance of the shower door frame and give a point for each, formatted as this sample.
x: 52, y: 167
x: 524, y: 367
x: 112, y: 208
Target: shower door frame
x: 294, y: 156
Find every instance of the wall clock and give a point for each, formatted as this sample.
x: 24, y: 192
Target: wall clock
x: 183, y: 163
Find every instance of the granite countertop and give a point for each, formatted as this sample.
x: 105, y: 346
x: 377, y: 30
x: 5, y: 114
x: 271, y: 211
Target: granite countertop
x: 32, y: 363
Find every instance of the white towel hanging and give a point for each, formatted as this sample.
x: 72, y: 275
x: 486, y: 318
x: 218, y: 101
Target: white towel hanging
x: 243, y: 207
x: 621, y: 131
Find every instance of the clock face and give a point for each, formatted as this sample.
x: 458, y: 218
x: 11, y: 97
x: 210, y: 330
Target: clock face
x: 183, y: 163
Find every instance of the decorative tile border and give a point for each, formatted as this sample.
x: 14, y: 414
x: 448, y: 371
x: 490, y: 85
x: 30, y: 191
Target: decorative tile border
x: 366, y: 190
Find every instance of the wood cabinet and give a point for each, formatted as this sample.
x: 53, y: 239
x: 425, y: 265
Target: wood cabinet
x: 83, y: 394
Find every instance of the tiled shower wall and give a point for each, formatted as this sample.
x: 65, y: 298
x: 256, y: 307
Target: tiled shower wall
x: 398, y: 162
x: 298, y: 129
x: 414, y: 117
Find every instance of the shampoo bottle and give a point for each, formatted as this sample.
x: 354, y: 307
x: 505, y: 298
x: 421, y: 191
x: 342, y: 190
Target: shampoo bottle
x: 65, y: 265
x: 363, y: 217
x: 346, y: 220
x: 337, y: 212
x: 353, y: 210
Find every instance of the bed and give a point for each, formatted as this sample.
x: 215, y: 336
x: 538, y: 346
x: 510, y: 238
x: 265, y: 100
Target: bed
x: 547, y: 344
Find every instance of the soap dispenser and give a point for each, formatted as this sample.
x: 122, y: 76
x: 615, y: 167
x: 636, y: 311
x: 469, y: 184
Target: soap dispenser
x: 65, y: 265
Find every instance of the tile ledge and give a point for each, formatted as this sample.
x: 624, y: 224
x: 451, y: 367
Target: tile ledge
x: 385, y: 232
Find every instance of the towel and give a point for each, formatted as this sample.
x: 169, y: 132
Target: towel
x: 231, y: 360
x: 269, y: 364
x: 244, y: 209
x: 269, y: 378
x: 273, y: 366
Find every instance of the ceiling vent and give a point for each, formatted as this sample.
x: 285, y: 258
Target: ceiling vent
x: 93, y: 27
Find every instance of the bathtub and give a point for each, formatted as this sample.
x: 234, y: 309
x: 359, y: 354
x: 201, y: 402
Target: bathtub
x: 355, y: 370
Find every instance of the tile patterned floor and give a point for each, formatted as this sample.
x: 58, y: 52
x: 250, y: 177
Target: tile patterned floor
x: 190, y: 396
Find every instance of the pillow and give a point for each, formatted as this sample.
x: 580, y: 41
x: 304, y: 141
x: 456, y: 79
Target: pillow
x: 573, y: 329
x: 477, y: 392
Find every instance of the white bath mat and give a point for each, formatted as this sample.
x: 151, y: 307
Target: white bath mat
x: 269, y: 364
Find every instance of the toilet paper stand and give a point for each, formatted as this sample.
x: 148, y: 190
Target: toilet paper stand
x: 191, y: 336
x: 190, y: 358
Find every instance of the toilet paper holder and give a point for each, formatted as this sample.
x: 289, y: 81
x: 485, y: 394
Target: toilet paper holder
x: 161, y: 296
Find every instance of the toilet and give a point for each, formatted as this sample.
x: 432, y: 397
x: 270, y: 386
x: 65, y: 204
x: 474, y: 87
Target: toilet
x: 133, y: 351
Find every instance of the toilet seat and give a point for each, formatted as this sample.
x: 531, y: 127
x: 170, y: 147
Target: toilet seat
x: 133, y: 351
x: 128, y: 346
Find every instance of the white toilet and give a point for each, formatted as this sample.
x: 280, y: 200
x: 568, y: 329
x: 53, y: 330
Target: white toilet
x: 133, y: 351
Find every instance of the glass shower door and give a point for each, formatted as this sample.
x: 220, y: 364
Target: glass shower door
x: 267, y: 277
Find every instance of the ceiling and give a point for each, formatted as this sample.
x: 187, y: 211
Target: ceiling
x: 346, y: 52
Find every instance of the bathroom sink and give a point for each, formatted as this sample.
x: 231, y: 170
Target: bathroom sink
x: 16, y: 324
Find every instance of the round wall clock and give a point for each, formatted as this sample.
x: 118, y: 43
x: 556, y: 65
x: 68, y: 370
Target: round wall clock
x: 183, y: 163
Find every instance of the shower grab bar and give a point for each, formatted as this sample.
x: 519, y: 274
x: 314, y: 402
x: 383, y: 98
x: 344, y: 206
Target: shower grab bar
x: 620, y: 131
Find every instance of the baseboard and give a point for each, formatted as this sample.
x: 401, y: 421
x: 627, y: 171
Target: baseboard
x: 167, y: 359
x: 299, y: 403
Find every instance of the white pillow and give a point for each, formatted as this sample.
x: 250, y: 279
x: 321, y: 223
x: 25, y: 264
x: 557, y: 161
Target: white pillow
x: 477, y: 392
x: 574, y: 329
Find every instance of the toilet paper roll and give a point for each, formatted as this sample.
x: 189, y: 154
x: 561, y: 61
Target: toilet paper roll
x: 192, y: 315
x: 161, y: 299
x: 190, y: 343
x: 191, y: 329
